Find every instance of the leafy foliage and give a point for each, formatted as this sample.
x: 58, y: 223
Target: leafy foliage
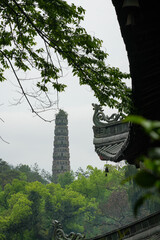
x: 66, y: 178
x: 7, y: 173
x: 33, y: 33
x: 85, y: 202
x: 148, y: 177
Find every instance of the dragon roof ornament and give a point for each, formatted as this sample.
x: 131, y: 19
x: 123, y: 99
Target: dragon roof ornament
x: 111, y: 135
x: 60, y: 235
x: 102, y: 120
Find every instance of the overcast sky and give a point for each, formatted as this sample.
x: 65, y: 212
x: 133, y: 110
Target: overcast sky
x: 31, y: 139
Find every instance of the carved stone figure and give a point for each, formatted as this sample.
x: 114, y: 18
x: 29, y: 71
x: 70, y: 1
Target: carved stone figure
x: 101, y: 120
x: 59, y: 234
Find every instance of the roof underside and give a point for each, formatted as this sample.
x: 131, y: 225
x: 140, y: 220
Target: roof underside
x: 111, y: 147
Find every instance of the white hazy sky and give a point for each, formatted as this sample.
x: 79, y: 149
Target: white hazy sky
x: 31, y: 139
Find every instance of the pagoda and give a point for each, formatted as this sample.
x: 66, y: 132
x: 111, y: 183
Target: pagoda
x: 61, y: 163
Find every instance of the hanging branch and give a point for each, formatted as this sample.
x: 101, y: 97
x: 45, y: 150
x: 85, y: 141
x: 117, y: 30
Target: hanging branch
x: 23, y: 92
x: 4, y: 140
x: 1, y: 119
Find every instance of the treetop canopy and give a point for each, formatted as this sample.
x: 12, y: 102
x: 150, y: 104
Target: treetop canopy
x: 33, y: 33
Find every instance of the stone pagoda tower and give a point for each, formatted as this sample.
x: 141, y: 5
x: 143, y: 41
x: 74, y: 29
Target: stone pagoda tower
x: 61, y: 155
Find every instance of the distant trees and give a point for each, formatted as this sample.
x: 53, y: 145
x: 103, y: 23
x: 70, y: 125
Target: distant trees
x: 33, y: 174
x: 22, y: 172
x: 66, y: 178
x: 88, y: 202
x: 7, y: 173
x: 28, y: 208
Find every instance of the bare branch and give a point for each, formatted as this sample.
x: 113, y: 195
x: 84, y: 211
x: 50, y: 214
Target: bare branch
x: 29, y: 79
x: 23, y: 92
x: 1, y: 119
x: 18, y: 101
x: 48, y: 52
x: 4, y: 140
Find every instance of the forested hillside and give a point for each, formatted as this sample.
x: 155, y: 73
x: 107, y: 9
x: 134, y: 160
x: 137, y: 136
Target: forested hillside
x: 91, y: 202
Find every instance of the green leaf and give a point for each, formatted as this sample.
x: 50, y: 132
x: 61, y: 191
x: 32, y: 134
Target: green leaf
x: 145, y: 179
x: 135, y: 119
x: 154, y: 153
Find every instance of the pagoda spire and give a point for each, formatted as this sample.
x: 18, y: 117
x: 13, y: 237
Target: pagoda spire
x: 61, y: 163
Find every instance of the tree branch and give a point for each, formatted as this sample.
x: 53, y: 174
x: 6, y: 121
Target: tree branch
x: 23, y: 92
x: 4, y: 140
x: 1, y: 119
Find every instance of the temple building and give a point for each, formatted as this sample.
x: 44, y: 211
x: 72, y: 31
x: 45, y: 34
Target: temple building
x: 139, y: 25
x: 61, y: 163
x: 114, y: 140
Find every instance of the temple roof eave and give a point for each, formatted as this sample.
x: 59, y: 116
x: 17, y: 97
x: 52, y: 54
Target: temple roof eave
x: 112, y: 151
x: 110, y: 138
